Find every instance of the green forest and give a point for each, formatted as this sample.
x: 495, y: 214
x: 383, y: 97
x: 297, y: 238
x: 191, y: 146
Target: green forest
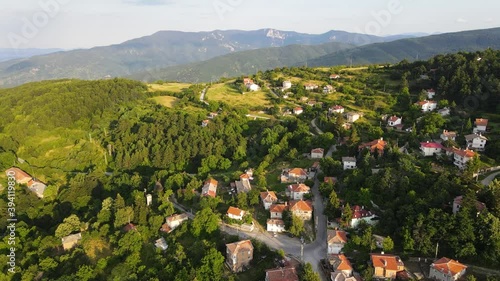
x: 101, y: 146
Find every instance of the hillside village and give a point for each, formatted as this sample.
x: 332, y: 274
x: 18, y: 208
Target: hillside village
x: 371, y: 173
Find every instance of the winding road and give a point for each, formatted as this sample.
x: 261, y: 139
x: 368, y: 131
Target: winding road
x: 490, y: 178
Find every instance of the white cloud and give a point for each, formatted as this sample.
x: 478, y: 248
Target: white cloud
x: 461, y: 20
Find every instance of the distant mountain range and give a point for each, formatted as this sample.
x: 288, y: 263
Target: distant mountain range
x: 162, y: 49
x: 338, y: 54
x: 414, y: 48
x: 10, y: 54
x: 205, y: 56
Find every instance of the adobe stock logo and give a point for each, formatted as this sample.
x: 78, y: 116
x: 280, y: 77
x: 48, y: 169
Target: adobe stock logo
x: 31, y: 27
x: 222, y: 7
x: 381, y: 19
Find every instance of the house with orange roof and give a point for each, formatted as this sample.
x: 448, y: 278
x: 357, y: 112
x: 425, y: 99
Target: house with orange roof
x: 317, y: 153
x: 427, y: 105
x: 282, y: 274
x: 297, y: 191
x: 446, y: 269
x: 334, y: 76
x: 205, y: 123
x: 386, y: 266
x: 276, y: 210
x: 394, y: 121
x: 480, y: 125
x: 336, y: 239
x: 172, y: 222
x: 275, y: 225
x: 243, y: 185
x: 374, y: 146
x: 209, y: 188
x: 239, y: 255
x: 302, y: 209
x: 298, y: 110
x: 332, y: 180
x: 294, y: 175
x: 448, y: 135
x: 461, y: 157
x: 33, y: 184
x: 235, y: 213
x: 268, y: 198
x: 340, y: 266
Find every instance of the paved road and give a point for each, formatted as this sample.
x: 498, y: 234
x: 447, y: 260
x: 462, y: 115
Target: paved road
x: 255, y: 117
x: 313, y: 123
x: 490, y: 178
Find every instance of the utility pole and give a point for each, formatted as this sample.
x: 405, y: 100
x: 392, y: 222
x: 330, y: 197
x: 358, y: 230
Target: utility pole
x: 437, y: 246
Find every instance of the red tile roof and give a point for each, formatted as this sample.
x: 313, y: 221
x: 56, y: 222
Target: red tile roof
x: 394, y: 118
x: 19, y: 174
x: 298, y: 171
x: 301, y: 205
x: 268, y: 196
x: 282, y: 274
x: 318, y: 150
x: 235, y: 212
x: 374, y: 145
x: 298, y: 188
x: 244, y: 245
x: 448, y: 266
x: 336, y: 236
x: 340, y: 262
x: 389, y: 262
x: 359, y: 212
x: 275, y: 222
x: 481, y: 122
x: 337, y: 107
x: 278, y: 208
x: 210, y: 188
x: 464, y: 153
x: 480, y: 206
x: 431, y: 145
x: 330, y: 180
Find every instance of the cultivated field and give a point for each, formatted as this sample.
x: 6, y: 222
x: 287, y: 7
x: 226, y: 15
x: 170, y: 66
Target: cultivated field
x: 171, y: 87
x: 229, y: 94
x: 166, y: 101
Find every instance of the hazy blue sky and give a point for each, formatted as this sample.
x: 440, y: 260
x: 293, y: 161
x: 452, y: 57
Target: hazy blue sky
x: 88, y: 23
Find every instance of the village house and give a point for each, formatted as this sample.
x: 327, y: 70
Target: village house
x: 235, y: 213
x: 374, y: 146
x: 331, y: 180
x: 476, y: 141
x: 297, y: 191
x: 70, y: 241
x: 275, y: 225
x: 457, y: 204
x: 461, y: 157
x: 302, y: 209
x: 352, y: 117
x: 212, y: 115
x: 394, y: 120
x: 446, y: 269
x: 276, y: 210
x: 209, y: 188
x: 239, y: 255
x: 315, y: 166
x: 336, y: 239
x: 287, y: 85
x: 386, y: 266
x: 282, y: 274
x: 247, y: 81
x: 334, y: 76
x: 431, y: 148
x: 172, y: 222
x: 33, y: 184
x: 444, y: 111
x: 268, y: 198
x: 161, y: 244
x: 328, y: 89
x: 336, y: 109
x: 253, y: 87
x: 243, y: 185
x: 447, y: 135
x: 205, y: 123
x: 361, y: 214
x: 129, y: 227
x: 349, y: 163
x: 427, y: 105
x: 294, y: 175
x: 431, y: 93
x: 480, y: 125
x: 317, y: 153
x: 342, y: 268
x: 298, y: 110
x: 310, y: 87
